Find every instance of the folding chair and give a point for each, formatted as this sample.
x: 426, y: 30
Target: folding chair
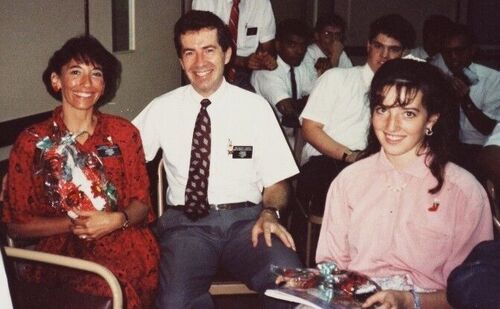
x: 220, y: 286
x: 74, y: 263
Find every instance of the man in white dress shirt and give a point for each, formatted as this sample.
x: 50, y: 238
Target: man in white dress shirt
x: 336, y: 117
x: 478, y: 91
x: 287, y: 87
x: 248, y: 165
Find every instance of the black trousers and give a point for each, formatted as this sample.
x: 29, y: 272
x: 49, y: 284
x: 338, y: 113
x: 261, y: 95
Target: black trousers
x: 314, y: 180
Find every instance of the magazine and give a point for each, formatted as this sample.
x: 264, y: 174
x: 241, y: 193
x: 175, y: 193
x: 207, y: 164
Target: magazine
x: 326, y: 287
x: 310, y: 298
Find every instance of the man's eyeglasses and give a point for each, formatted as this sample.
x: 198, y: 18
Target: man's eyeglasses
x: 334, y: 35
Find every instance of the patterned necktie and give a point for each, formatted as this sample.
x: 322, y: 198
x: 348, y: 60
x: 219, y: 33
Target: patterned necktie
x: 196, y: 196
x: 294, y: 83
x: 233, y: 28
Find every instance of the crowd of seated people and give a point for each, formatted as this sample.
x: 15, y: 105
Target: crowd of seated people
x: 388, y: 146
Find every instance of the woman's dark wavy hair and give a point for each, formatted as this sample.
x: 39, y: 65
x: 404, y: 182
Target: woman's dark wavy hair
x: 88, y: 50
x: 409, y: 77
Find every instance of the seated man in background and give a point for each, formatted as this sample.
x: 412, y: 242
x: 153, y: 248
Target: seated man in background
x: 288, y: 86
x: 327, y: 50
x: 252, y: 27
x: 336, y: 117
x: 433, y: 32
x: 227, y: 164
x: 478, y: 90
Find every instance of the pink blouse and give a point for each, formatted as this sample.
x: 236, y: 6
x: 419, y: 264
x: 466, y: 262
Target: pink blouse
x: 383, y: 222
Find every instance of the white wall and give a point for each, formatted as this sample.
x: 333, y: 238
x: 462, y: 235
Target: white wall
x: 33, y: 30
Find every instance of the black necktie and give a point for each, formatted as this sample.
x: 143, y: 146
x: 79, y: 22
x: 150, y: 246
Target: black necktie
x: 294, y: 83
x: 196, y: 194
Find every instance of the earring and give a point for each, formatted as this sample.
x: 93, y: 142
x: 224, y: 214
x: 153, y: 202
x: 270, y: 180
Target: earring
x: 56, y: 88
x: 428, y: 131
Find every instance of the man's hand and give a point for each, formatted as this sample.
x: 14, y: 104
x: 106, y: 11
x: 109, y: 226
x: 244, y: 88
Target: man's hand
x: 92, y: 225
x: 335, y: 49
x: 261, y: 61
x: 322, y: 64
x: 460, y: 87
x: 390, y: 299
x: 268, y: 224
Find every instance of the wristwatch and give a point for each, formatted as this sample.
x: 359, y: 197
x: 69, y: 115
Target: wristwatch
x: 272, y: 210
x: 126, y: 223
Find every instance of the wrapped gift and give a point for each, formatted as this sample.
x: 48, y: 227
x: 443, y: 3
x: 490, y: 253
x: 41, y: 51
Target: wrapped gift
x: 73, y: 179
x: 324, y: 287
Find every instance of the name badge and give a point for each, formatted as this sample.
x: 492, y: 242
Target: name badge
x: 252, y: 31
x: 108, y: 151
x: 242, y: 152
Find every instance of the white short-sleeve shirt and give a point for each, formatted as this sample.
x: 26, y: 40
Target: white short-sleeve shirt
x: 256, y: 22
x: 485, y: 95
x: 314, y: 53
x: 339, y: 102
x: 276, y: 85
x: 494, y: 138
x: 239, y: 118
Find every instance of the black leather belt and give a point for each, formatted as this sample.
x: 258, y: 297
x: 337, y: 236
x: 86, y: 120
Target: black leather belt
x: 227, y: 206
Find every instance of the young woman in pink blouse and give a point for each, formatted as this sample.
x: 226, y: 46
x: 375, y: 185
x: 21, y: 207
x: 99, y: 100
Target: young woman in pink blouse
x: 405, y: 215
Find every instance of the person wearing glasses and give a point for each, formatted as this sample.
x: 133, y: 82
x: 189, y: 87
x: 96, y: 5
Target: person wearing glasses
x: 336, y: 117
x: 327, y: 50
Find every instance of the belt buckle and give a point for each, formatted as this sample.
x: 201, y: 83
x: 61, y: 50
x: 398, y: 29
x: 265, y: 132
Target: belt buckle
x: 215, y: 207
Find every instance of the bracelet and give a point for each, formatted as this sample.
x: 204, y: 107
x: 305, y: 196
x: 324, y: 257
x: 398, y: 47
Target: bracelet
x: 416, y: 299
x: 127, y: 222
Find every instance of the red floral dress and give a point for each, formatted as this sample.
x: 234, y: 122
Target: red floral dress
x: 131, y: 254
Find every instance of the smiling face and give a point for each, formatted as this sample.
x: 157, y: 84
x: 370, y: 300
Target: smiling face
x: 81, y: 84
x: 400, y: 129
x: 203, y: 60
x: 381, y: 49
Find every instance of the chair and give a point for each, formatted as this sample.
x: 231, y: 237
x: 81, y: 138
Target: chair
x: 313, y: 219
x: 495, y: 205
x: 70, y: 262
x: 220, y: 286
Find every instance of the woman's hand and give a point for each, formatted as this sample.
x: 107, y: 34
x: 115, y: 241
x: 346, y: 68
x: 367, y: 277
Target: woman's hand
x: 390, y: 299
x: 92, y: 225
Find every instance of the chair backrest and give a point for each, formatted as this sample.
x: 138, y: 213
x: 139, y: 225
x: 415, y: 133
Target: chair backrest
x: 495, y: 204
x: 74, y: 263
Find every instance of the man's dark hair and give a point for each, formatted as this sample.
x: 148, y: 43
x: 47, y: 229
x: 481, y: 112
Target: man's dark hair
x: 88, y: 50
x: 292, y: 26
x: 330, y: 20
x: 461, y: 30
x: 394, y: 26
x: 197, y: 20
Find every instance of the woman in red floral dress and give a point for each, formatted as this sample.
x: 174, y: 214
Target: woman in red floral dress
x: 80, y: 75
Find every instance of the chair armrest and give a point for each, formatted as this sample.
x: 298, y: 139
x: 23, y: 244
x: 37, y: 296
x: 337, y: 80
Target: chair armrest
x: 72, y: 263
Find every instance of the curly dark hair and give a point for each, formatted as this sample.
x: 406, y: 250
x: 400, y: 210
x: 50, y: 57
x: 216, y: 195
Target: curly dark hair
x: 410, y: 77
x: 88, y: 50
x: 195, y: 21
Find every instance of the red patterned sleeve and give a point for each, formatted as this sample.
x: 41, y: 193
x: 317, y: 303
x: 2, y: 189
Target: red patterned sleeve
x: 137, y: 179
x: 24, y: 196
